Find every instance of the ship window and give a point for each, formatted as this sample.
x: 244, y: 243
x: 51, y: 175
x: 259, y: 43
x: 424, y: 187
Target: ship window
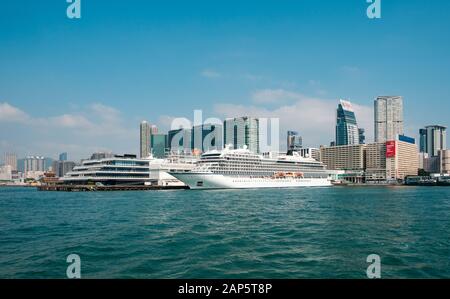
x: 200, y: 184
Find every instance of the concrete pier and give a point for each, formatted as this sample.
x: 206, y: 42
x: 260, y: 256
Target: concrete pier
x: 94, y: 188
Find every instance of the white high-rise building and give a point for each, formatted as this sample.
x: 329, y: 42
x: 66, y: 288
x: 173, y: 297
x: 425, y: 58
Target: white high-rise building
x: 11, y: 160
x: 388, y: 118
x: 6, y: 173
x: 242, y: 131
x: 34, y: 163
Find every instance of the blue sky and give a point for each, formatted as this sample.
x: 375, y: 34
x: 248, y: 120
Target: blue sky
x: 84, y: 85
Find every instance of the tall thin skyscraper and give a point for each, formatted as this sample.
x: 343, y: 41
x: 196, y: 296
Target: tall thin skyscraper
x: 362, y: 136
x: 388, y: 118
x: 346, y: 126
x: 63, y: 157
x: 423, y: 140
x: 433, y: 139
x: 242, y: 131
x: 145, y: 139
x: 153, y: 129
x: 11, y: 160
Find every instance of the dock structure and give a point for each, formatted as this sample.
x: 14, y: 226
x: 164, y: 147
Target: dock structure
x: 95, y: 188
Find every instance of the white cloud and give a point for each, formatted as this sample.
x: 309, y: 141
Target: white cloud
x: 165, y: 122
x: 107, y: 113
x: 316, y: 86
x: 268, y: 96
x: 97, y: 126
x: 253, y: 77
x: 10, y: 113
x: 350, y: 70
x: 210, y: 74
x: 69, y: 121
x: 313, y: 82
x: 314, y: 118
x: 101, y: 127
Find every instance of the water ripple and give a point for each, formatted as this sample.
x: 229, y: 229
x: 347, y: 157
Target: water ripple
x: 292, y: 233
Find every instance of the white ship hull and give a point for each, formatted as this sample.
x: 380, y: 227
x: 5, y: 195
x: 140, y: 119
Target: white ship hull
x: 218, y: 181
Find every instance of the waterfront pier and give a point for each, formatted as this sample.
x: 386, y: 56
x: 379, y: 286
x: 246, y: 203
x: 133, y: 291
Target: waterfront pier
x: 95, y: 188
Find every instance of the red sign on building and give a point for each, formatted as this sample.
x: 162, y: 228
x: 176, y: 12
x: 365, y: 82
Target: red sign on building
x: 390, y: 149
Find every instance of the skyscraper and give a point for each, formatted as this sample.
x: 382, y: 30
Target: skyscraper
x: 242, y: 131
x: 423, y: 140
x: 145, y: 139
x: 34, y: 163
x: 207, y: 137
x: 388, y: 118
x: 433, y: 139
x: 11, y: 160
x: 346, y: 126
x: 153, y: 129
x: 159, y: 145
x: 294, y: 141
x: 63, y: 157
x: 362, y: 136
x: 62, y: 167
x: 179, y: 140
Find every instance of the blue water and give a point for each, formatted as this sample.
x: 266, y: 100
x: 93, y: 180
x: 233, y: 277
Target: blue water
x: 292, y: 233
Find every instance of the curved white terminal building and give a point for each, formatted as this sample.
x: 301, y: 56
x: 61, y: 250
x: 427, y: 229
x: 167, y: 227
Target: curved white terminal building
x: 110, y: 170
x: 128, y: 170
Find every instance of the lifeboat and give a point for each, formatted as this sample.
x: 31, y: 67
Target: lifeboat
x: 280, y: 175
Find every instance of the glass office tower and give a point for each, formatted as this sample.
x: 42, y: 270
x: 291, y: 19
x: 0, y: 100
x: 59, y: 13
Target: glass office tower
x: 346, y: 127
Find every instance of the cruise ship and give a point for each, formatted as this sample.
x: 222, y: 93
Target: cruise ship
x: 243, y: 169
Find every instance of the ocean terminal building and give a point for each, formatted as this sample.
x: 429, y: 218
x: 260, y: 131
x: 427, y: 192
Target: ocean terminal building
x: 108, y: 169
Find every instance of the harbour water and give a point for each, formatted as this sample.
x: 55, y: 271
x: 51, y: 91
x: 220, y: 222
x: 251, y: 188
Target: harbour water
x: 276, y: 233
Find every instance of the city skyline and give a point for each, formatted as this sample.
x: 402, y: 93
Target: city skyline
x: 148, y: 131
x: 243, y: 59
